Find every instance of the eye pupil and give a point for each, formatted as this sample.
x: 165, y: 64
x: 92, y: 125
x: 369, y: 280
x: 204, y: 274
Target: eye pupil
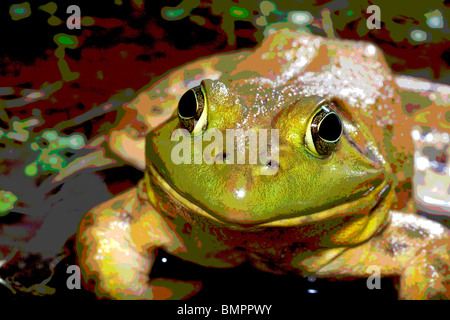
x: 325, y: 132
x: 190, y: 110
x: 187, y: 106
x: 330, y: 128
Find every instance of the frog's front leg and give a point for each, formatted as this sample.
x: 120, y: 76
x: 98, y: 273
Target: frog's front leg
x: 116, y: 247
x: 411, y: 247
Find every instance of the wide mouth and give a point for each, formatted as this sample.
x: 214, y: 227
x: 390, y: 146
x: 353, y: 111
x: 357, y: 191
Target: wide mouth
x: 365, y: 205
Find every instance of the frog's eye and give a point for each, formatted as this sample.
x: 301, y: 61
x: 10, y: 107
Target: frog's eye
x: 324, y: 132
x: 192, y: 110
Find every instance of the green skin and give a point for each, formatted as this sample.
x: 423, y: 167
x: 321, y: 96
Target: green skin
x: 327, y: 216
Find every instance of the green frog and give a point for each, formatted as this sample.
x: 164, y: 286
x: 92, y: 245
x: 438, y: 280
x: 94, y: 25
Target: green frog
x: 328, y: 194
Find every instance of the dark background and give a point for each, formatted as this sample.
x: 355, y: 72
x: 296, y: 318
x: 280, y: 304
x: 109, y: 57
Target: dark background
x: 121, y: 47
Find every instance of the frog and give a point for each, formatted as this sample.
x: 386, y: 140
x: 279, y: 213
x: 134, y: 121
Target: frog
x: 329, y: 198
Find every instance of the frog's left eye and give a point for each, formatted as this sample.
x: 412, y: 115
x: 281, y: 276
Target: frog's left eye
x: 324, y: 133
x: 192, y: 110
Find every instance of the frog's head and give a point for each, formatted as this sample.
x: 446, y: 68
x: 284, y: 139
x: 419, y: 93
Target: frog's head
x: 324, y: 164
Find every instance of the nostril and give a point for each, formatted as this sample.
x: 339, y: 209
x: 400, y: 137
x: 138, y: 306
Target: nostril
x: 221, y: 156
x: 272, y: 164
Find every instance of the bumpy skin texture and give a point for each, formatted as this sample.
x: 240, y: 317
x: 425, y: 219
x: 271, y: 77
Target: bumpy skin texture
x: 326, y: 216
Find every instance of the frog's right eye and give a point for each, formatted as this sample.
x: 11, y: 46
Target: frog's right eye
x: 192, y: 110
x: 324, y: 133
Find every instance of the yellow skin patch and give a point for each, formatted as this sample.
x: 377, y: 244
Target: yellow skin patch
x: 338, y: 206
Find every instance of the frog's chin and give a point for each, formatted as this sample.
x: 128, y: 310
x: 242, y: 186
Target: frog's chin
x: 372, y: 207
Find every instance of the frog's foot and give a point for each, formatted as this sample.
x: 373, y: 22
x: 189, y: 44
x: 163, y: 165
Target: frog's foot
x: 411, y: 247
x: 116, y: 246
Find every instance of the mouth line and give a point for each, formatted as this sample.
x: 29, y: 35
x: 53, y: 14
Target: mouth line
x: 367, y: 204
x: 370, y: 201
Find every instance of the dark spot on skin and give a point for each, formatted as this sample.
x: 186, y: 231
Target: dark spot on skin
x: 389, y: 128
x: 441, y: 158
x: 411, y: 107
x: 171, y: 218
x: 440, y: 265
x: 394, y: 248
x: 407, y: 185
x: 415, y: 232
x: 156, y: 109
x: 187, y: 228
x: 91, y: 283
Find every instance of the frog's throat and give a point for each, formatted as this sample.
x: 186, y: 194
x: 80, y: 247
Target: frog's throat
x: 378, y: 201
